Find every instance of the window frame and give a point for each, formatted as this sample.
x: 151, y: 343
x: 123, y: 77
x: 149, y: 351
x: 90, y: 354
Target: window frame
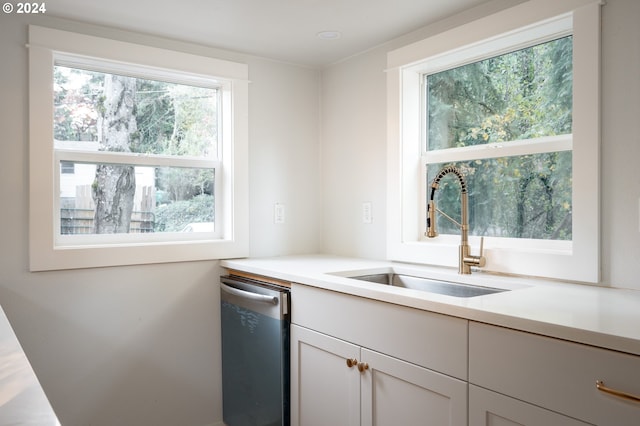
x: 48, y: 249
x: 576, y: 260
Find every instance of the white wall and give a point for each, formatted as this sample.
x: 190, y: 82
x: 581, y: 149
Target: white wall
x: 354, y: 156
x: 620, y: 153
x: 284, y: 159
x: 354, y: 143
x: 140, y: 345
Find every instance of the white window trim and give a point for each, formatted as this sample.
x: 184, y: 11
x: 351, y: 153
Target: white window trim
x: 45, y: 252
x: 578, y: 260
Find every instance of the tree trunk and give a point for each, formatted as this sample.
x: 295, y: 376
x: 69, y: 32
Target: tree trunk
x: 115, y: 185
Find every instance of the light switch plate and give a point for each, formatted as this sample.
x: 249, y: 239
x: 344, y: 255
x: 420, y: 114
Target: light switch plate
x: 278, y: 213
x: 367, y: 213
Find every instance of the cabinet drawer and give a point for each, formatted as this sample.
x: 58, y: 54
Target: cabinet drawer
x: 487, y: 408
x: 555, y: 374
x: 431, y: 340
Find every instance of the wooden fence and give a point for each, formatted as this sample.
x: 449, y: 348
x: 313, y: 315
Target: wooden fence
x: 79, y: 220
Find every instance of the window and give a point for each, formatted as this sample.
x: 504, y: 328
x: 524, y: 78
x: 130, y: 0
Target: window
x: 512, y: 100
x: 518, y: 104
x: 97, y: 114
x: 137, y: 154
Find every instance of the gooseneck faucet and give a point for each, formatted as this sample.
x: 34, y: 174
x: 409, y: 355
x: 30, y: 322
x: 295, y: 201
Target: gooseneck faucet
x: 465, y: 259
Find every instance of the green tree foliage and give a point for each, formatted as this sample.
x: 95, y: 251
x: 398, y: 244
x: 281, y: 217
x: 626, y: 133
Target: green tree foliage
x: 155, y: 116
x: 76, y: 94
x: 518, y: 96
x: 175, y: 216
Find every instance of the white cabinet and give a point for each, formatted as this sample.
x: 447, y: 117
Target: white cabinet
x: 395, y: 392
x: 334, y: 382
x: 437, y: 342
x: 356, y: 361
x: 488, y: 408
x: 554, y: 374
x: 425, y: 368
x: 324, y: 390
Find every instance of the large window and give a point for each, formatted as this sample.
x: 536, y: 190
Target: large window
x: 518, y: 104
x: 513, y: 101
x: 138, y: 154
x: 97, y: 114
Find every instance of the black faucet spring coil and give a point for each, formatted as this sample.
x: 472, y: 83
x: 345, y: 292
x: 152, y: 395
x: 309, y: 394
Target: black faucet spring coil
x: 445, y: 171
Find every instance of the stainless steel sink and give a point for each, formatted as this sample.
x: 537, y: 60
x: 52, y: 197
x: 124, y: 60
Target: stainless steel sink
x: 429, y: 285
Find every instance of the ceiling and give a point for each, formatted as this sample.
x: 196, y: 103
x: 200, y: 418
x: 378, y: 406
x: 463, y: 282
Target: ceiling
x: 284, y: 30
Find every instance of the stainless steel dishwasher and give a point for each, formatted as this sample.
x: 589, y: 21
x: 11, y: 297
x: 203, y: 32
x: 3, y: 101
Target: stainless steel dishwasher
x: 255, y: 352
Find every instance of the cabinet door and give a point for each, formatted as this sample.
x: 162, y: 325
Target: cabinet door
x: 396, y: 392
x: 324, y: 389
x: 487, y: 408
x: 555, y: 374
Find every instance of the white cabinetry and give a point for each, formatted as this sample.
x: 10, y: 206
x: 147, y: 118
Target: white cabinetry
x: 362, y: 362
x: 324, y: 390
x: 334, y: 382
x: 556, y: 375
x: 488, y: 408
x: 395, y: 392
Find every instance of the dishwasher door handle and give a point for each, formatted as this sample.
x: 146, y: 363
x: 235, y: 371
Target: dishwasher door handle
x: 273, y: 300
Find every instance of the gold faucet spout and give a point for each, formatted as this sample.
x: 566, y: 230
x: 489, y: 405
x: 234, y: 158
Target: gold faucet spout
x: 465, y: 259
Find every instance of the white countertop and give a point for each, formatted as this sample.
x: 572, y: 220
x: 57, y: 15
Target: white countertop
x: 598, y: 316
x: 22, y: 400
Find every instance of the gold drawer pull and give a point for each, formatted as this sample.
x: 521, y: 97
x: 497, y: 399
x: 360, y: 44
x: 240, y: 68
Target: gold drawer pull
x: 624, y: 395
x: 352, y: 362
x: 362, y: 366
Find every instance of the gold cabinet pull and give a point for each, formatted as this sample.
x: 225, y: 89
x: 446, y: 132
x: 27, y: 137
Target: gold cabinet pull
x: 624, y: 395
x: 352, y: 362
x: 362, y: 366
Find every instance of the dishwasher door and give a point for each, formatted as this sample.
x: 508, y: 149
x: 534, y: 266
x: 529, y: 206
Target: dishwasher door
x: 255, y: 352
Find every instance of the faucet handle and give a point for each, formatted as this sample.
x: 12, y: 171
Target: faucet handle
x: 471, y: 260
x: 481, y: 259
